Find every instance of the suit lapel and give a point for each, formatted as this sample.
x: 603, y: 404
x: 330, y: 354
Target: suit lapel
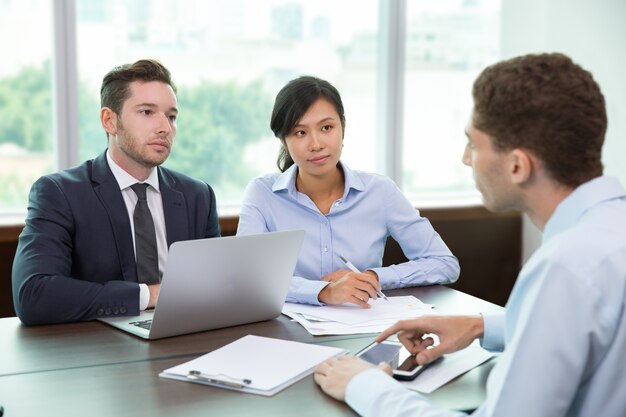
x: 174, y: 209
x: 108, y: 191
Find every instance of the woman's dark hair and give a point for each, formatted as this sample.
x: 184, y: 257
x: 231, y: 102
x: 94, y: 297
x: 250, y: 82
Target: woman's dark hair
x: 292, y: 101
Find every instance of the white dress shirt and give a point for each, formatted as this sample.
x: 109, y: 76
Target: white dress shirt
x: 155, y: 203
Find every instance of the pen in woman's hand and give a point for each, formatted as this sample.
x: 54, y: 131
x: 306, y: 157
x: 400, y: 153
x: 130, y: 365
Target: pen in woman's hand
x: 355, y: 269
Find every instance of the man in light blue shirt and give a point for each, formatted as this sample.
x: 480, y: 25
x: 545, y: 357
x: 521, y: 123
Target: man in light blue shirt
x: 534, y: 144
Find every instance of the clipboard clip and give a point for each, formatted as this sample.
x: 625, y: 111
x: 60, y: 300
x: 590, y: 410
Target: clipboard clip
x: 219, y: 379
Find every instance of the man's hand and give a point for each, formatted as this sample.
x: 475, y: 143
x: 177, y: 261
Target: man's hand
x: 352, y: 287
x: 334, y: 375
x: 454, y: 332
x: 154, y: 294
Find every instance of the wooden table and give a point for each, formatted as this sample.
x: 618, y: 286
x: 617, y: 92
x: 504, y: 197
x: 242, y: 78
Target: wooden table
x: 92, y: 369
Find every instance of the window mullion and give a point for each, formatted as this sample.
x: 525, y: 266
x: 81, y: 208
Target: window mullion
x: 391, y: 87
x: 65, y: 83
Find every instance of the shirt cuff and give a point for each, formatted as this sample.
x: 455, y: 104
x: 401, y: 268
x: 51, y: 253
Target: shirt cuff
x: 307, y: 292
x: 493, y: 333
x: 144, y: 296
x: 387, y: 277
x: 374, y: 393
x: 371, y: 391
x: 362, y: 389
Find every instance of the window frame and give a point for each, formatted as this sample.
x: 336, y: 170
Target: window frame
x: 389, y: 90
x: 390, y: 94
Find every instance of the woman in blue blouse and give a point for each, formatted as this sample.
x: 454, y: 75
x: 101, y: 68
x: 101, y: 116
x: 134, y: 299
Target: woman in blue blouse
x: 344, y: 212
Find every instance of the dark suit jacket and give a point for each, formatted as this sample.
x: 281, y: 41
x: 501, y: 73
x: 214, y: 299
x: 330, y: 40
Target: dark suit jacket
x: 75, y: 259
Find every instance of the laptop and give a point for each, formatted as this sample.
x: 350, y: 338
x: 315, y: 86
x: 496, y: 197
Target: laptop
x: 219, y: 282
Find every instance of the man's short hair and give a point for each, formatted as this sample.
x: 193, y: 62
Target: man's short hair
x: 548, y: 105
x: 115, y: 91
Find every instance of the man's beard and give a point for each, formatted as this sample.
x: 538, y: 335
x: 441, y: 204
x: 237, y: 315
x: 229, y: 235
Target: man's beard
x: 129, y: 146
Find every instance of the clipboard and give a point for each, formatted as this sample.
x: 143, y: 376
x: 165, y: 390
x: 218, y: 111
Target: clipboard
x: 254, y: 364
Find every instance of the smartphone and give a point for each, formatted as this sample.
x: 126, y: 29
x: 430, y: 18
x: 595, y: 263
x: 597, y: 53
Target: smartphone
x: 402, y: 363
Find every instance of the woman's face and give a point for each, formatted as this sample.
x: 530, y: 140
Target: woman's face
x: 315, y: 142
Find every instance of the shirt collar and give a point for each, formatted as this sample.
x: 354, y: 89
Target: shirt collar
x: 125, y: 180
x: 287, y: 180
x: 353, y: 181
x: 584, y: 197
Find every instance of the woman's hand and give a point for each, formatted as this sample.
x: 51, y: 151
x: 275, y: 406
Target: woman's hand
x: 350, y: 287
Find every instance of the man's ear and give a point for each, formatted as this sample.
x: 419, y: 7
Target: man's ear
x: 521, y: 166
x: 108, y: 118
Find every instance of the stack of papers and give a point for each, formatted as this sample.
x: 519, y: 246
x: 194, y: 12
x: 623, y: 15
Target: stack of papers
x: 254, y: 364
x: 352, y: 319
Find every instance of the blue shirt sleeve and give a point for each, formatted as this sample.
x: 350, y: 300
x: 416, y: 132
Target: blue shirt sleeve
x: 305, y: 291
x: 374, y: 393
x: 429, y: 259
x: 493, y: 335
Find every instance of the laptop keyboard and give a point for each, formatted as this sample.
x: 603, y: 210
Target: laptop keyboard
x: 144, y: 324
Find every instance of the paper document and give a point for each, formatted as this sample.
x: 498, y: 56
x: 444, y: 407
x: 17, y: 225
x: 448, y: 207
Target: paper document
x: 254, y: 364
x: 453, y: 365
x: 352, y: 319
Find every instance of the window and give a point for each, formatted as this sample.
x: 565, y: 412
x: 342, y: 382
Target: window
x: 26, y: 142
x: 447, y: 44
x: 229, y: 58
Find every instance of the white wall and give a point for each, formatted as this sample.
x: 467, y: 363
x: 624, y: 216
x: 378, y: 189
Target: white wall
x: 593, y: 34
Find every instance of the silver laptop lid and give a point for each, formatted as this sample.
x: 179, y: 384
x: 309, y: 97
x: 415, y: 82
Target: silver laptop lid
x: 221, y: 282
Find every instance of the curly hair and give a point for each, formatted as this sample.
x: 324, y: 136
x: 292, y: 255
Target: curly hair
x: 548, y: 105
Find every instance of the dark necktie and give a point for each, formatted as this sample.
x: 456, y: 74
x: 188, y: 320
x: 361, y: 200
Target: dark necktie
x: 145, y: 239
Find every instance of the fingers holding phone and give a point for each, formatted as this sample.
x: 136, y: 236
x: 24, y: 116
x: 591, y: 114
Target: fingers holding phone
x: 403, y: 364
x: 454, y: 333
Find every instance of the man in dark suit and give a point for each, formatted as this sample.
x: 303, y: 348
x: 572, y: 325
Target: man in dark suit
x: 77, y: 258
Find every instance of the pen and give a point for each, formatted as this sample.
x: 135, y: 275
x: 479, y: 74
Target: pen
x: 355, y: 269
x: 199, y: 376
